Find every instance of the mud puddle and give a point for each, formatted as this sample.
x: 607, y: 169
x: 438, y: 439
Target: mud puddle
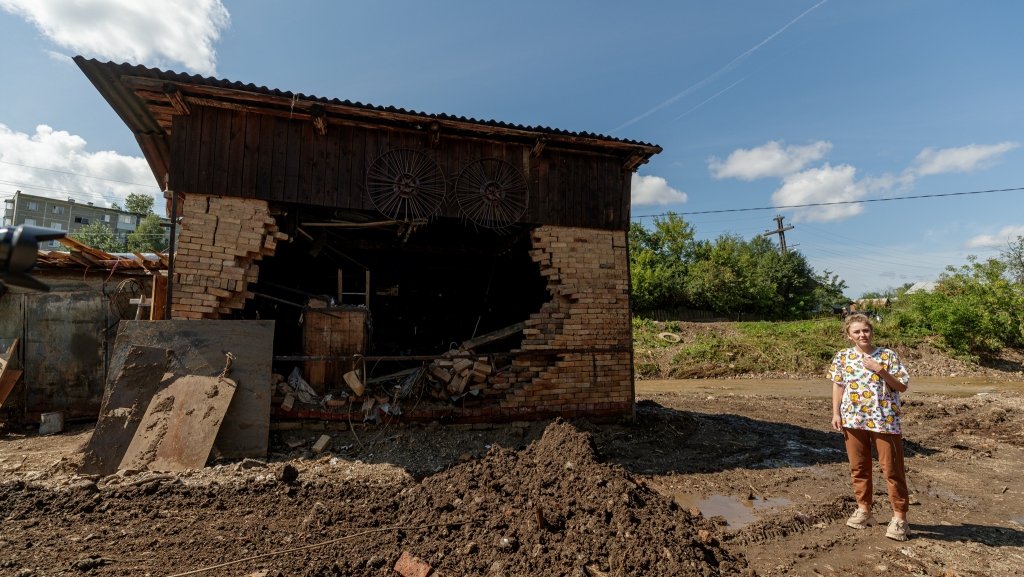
x: 737, y: 512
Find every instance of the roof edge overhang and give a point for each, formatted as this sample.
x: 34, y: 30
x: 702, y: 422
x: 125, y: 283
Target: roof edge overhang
x: 123, y: 87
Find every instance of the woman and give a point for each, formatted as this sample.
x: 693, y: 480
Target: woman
x: 867, y: 382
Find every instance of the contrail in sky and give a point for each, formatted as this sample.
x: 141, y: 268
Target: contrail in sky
x: 710, y: 98
x: 714, y: 76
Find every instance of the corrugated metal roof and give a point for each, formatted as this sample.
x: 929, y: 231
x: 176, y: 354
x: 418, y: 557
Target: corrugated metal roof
x: 135, y: 113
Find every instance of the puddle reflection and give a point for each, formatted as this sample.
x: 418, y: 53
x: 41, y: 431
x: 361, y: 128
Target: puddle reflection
x: 736, y: 512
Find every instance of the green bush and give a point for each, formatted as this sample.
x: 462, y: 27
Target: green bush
x: 975, y: 310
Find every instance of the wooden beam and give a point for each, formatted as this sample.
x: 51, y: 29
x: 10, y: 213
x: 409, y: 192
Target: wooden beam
x: 177, y: 98
x: 538, y: 147
x: 435, y: 134
x: 635, y: 160
x: 493, y: 336
x: 319, y: 116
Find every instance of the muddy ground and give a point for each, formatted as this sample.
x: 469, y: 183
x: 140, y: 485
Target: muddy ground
x: 708, y: 480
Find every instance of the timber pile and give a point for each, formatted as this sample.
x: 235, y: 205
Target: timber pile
x: 460, y: 371
x: 221, y: 239
x: 81, y: 254
x: 455, y: 375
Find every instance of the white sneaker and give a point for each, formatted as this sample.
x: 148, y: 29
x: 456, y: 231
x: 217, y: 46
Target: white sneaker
x: 897, y: 530
x: 860, y: 519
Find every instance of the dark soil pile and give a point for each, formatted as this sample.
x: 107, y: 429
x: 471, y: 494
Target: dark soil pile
x: 550, y: 509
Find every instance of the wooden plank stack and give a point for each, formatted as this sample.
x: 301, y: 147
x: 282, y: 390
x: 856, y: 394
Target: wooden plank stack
x: 220, y: 242
x: 82, y: 255
x: 457, y: 373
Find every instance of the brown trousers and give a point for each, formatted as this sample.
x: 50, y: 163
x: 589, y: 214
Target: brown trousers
x: 890, y: 456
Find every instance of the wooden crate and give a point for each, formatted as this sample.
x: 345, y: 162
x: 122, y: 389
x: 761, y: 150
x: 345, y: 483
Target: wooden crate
x: 339, y: 330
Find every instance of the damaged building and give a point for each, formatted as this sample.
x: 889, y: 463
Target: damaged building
x: 423, y: 265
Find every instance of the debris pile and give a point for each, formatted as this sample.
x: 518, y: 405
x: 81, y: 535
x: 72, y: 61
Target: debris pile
x: 456, y: 374
x: 551, y: 508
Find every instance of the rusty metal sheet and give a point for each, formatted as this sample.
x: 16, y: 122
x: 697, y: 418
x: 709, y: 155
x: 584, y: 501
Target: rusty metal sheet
x: 180, y: 424
x: 63, y: 351
x: 200, y: 347
x: 136, y: 372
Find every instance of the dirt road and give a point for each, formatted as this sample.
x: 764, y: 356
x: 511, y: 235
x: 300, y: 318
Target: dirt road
x: 764, y: 459
x: 714, y: 478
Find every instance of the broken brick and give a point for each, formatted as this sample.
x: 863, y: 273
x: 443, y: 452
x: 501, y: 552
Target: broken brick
x: 409, y: 565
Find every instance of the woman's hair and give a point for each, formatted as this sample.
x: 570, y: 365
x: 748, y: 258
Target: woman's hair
x: 856, y: 318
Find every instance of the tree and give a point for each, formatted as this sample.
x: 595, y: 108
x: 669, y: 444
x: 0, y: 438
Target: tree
x: 1013, y: 256
x: 98, y: 235
x: 139, y: 203
x: 148, y: 236
x: 730, y: 276
x: 658, y: 261
x: 829, y: 290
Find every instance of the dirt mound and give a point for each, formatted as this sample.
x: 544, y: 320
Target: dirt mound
x: 553, y: 509
x: 985, y: 416
x: 550, y: 509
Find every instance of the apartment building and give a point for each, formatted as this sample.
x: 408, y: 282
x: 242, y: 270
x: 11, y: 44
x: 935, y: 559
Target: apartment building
x: 67, y: 215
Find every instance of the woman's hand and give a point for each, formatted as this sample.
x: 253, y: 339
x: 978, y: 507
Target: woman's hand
x: 837, y: 422
x: 872, y: 365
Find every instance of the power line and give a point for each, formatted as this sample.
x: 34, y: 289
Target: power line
x: 837, y: 202
x: 83, y: 175
x: 24, y: 186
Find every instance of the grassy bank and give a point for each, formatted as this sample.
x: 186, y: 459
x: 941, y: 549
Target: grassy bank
x: 707, y: 350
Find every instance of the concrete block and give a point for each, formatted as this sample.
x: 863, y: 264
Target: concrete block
x: 51, y: 423
x: 322, y: 444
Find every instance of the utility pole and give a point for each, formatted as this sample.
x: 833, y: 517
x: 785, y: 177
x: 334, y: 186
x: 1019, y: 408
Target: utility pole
x: 781, y: 231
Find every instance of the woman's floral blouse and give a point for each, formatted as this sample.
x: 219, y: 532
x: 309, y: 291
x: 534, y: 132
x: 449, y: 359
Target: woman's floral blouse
x: 867, y: 402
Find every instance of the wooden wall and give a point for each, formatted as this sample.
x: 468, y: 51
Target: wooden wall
x: 240, y: 153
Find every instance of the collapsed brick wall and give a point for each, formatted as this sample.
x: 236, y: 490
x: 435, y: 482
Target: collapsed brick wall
x: 582, y: 337
x: 221, y: 238
x: 575, y: 358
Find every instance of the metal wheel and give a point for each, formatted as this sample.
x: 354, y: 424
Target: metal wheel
x: 492, y: 193
x: 405, y: 185
x: 120, y: 302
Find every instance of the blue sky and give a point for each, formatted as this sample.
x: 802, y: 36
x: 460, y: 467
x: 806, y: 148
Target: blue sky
x: 757, y: 104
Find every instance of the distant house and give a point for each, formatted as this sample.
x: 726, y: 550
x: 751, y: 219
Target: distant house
x: 869, y: 304
x: 922, y: 287
x: 67, y: 215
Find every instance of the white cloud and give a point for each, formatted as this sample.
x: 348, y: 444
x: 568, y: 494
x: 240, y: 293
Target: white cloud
x: 56, y: 164
x: 999, y: 240
x: 769, y: 159
x: 648, y: 190
x: 963, y: 159
x: 149, y: 32
x: 822, y: 185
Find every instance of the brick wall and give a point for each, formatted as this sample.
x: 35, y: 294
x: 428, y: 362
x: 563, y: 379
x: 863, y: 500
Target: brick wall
x: 582, y: 336
x: 221, y: 239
